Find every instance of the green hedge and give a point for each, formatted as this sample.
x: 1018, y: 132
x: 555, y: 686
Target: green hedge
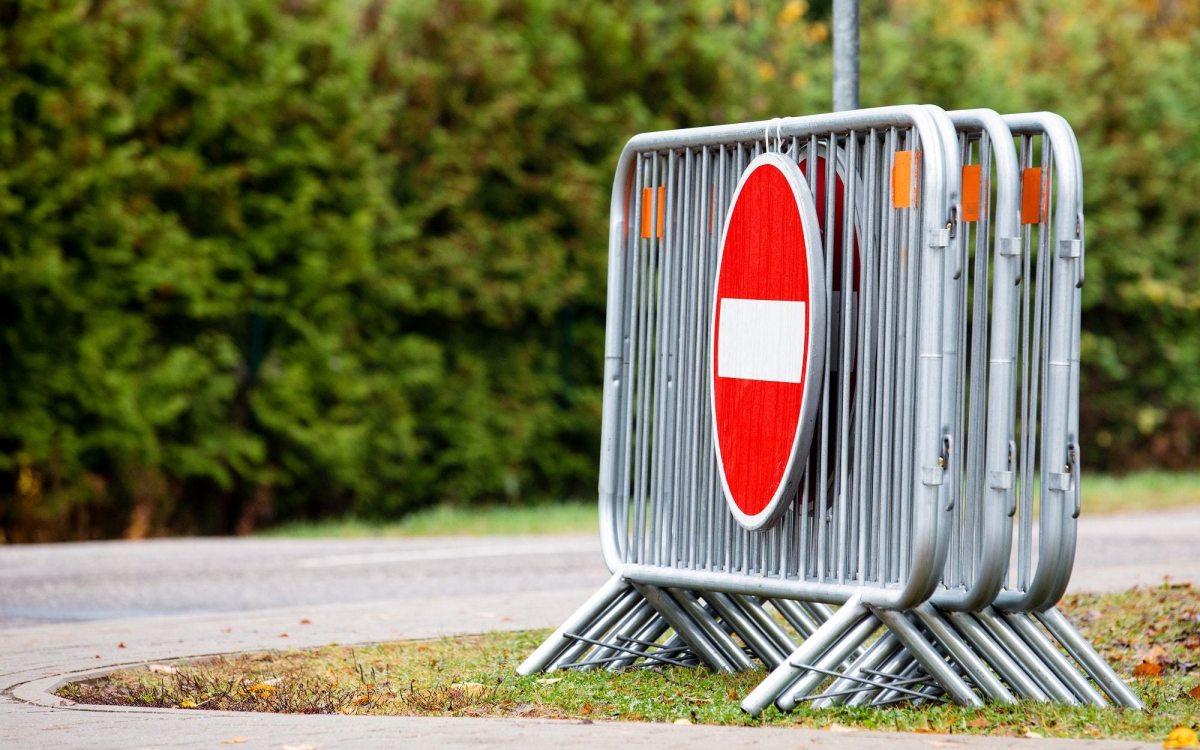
x: 279, y: 259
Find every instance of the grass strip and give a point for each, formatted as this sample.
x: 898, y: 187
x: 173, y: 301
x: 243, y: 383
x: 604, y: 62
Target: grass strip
x: 1151, y: 632
x: 446, y: 520
x: 1143, y: 491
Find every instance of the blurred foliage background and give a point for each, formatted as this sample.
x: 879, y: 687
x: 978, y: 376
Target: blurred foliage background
x: 268, y: 260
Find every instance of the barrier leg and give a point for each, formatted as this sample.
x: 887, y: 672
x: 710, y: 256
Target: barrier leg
x: 930, y: 659
x: 851, y: 613
x: 557, y: 642
x: 1092, y: 662
x: 998, y: 657
x: 1024, y: 625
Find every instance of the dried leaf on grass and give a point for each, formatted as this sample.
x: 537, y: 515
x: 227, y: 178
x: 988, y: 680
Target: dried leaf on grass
x: 1195, y: 692
x: 261, y: 690
x: 1148, y: 669
x: 162, y: 669
x: 470, y: 690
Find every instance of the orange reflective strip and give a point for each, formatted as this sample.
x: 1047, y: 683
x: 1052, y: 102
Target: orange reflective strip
x: 660, y: 212
x: 905, y: 173
x: 1031, y: 195
x: 972, y: 191
x: 647, y: 196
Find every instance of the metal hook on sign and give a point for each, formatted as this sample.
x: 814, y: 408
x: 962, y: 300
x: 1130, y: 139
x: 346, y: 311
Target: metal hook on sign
x: 767, y: 134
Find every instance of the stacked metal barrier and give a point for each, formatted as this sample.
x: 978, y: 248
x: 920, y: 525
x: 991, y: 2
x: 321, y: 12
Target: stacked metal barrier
x: 949, y: 400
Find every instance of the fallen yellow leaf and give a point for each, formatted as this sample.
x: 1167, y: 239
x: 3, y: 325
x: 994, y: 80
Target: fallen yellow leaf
x: 261, y: 690
x: 468, y: 689
x: 187, y: 704
x: 1181, y: 737
x: 235, y: 741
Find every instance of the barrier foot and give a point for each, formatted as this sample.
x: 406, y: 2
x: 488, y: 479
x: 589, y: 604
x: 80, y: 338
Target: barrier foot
x: 1094, y: 664
x: 815, y: 646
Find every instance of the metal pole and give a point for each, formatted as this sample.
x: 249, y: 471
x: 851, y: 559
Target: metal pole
x: 845, y: 55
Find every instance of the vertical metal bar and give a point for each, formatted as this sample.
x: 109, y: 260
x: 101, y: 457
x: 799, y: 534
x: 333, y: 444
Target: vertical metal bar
x: 631, y: 356
x: 846, y: 339
x: 885, y: 434
x: 866, y: 355
x: 845, y: 55
x: 681, y: 418
x: 662, y: 365
x: 1028, y: 430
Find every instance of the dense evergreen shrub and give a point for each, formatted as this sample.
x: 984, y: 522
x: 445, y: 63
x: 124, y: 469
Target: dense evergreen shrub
x: 271, y: 259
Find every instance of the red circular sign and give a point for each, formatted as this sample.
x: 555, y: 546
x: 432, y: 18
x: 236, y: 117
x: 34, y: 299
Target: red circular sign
x: 767, y: 343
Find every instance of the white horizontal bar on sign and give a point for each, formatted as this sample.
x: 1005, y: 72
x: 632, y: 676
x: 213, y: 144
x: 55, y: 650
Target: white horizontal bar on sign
x: 761, y: 339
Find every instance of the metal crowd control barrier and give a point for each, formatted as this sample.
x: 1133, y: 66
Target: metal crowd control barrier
x: 949, y: 382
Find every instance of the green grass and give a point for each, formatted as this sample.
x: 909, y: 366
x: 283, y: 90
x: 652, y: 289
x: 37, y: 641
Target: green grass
x: 1144, y: 491
x: 444, y: 520
x: 474, y: 676
x: 1147, y: 490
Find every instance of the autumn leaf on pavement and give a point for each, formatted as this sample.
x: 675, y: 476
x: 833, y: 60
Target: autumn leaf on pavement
x: 1181, y: 737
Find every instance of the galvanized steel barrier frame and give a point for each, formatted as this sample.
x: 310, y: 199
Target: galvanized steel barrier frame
x: 1023, y: 345
x: 932, y: 134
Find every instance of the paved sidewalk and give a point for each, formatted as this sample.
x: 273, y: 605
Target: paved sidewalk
x: 39, y: 659
x: 1115, y: 552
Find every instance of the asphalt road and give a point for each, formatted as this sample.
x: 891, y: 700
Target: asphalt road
x: 119, y: 580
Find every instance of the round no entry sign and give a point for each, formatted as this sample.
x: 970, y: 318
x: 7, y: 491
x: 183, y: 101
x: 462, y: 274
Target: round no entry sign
x: 768, y: 339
